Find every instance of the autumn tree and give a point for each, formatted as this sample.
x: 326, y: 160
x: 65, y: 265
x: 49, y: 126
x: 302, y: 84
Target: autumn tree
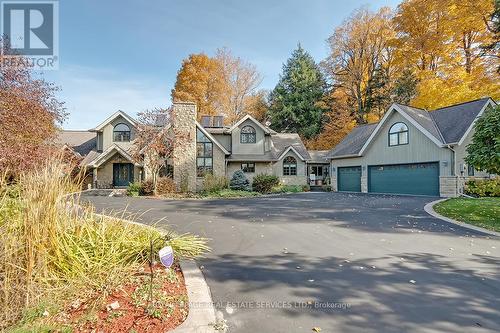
x: 219, y: 85
x: 441, y: 41
x: 240, y: 81
x: 338, y: 122
x: 257, y: 105
x: 154, y: 142
x: 360, y: 62
x: 29, y: 116
x: 296, y: 103
x: 200, y: 81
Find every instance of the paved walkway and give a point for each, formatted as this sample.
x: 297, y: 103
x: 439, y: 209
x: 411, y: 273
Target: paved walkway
x: 341, y: 262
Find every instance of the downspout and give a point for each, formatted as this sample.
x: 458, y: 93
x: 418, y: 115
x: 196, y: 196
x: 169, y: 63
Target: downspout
x: 453, y: 160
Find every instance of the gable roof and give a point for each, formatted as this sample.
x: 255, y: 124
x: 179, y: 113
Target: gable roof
x: 211, y: 137
x: 319, y: 156
x: 353, y: 142
x: 82, y: 142
x: 454, y: 121
x: 249, y: 117
x: 448, y: 125
x: 113, y: 117
x: 108, y: 153
x: 281, y: 143
x: 423, y: 118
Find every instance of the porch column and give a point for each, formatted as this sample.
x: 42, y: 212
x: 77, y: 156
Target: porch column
x: 94, y: 178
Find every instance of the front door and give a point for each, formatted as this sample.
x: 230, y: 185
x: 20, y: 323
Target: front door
x: 123, y: 174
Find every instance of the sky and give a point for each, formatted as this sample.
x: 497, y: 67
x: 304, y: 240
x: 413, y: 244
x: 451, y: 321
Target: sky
x: 124, y: 54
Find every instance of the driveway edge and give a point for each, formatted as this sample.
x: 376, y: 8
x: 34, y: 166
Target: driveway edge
x: 429, y: 208
x: 201, y: 316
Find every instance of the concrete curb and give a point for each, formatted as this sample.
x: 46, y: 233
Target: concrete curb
x: 429, y: 208
x: 201, y: 317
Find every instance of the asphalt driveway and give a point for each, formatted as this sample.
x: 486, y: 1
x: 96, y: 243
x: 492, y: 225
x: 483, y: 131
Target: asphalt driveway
x: 341, y: 262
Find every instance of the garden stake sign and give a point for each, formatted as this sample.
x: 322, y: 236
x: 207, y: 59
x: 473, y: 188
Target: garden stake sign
x: 166, y: 255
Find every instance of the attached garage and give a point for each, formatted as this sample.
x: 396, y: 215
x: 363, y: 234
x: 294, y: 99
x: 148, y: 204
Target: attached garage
x: 415, y: 178
x: 349, y: 179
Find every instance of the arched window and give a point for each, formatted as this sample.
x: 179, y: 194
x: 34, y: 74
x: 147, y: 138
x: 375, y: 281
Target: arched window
x: 247, y: 135
x: 398, y: 134
x: 121, y: 133
x: 289, y: 166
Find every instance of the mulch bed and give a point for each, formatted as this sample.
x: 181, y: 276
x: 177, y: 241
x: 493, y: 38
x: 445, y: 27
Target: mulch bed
x: 128, y: 308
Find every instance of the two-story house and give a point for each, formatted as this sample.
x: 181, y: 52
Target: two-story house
x: 199, y: 148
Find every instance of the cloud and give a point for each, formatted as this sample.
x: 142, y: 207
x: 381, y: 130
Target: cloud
x: 91, y: 95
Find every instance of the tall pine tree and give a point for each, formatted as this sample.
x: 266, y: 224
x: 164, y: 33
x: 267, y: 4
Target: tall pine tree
x: 297, y: 100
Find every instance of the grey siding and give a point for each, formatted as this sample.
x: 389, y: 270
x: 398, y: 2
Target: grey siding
x: 107, y: 134
x: 419, y: 149
x: 256, y: 148
x: 300, y: 179
x: 224, y: 140
x: 260, y: 167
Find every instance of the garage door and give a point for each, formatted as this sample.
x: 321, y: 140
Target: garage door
x: 349, y: 179
x: 418, y: 179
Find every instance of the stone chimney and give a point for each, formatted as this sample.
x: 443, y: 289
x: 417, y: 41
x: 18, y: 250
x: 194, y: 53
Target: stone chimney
x: 184, y: 153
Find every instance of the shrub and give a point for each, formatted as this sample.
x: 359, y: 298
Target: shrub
x: 147, y: 187
x: 306, y: 188
x: 287, y: 189
x: 239, y: 182
x: 52, y: 250
x: 264, y: 183
x: 134, y: 189
x: 165, y: 185
x: 213, y: 183
x: 483, y: 187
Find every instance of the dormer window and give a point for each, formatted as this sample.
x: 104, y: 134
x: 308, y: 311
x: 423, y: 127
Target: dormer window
x: 121, y: 133
x: 248, y: 135
x: 398, y: 134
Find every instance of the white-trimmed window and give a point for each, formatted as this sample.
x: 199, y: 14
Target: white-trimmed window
x: 398, y: 134
x: 121, y: 133
x: 289, y: 166
x: 248, y: 167
x: 248, y: 135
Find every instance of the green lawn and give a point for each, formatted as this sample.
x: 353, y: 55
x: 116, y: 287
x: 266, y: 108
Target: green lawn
x: 228, y: 193
x: 481, y: 212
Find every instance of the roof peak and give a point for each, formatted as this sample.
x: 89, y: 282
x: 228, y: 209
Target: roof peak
x: 457, y: 104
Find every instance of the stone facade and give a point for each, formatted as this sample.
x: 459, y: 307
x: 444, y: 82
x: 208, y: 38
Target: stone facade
x: 184, y: 152
x: 105, y: 172
x: 448, y: 186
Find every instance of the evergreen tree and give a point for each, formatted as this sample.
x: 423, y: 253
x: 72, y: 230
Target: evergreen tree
x: 378, y: 92
x: 296, y: 101
x: 405, y: 88
x: 239, y: 182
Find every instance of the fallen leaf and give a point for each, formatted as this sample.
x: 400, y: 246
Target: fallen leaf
x: 316, y: 329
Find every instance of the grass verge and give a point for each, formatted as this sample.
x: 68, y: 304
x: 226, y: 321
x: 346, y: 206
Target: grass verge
x: 228, y: 193
x: 52, y: 253
x: 481, y: 212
